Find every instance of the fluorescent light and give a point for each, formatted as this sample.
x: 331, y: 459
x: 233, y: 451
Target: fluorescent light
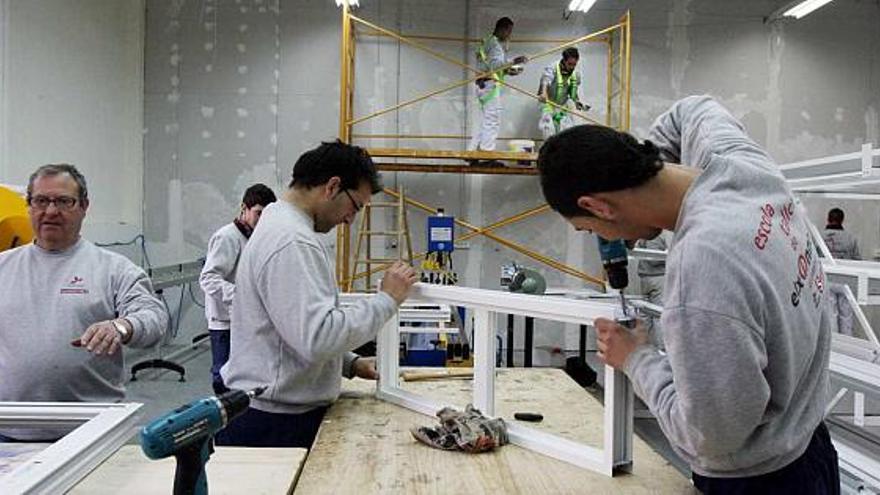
x: 351, y: 3
x: 580, y: 5
x: 804, y: 8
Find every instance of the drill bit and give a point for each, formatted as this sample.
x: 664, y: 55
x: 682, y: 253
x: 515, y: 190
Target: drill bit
x: 623, y: 304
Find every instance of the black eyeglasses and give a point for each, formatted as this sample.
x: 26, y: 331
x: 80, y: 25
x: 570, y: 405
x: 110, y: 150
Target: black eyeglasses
x: 357, y: 207
x: 63, y: 203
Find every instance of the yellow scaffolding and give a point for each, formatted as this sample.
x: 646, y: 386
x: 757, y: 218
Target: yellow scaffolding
x: 617, y: 37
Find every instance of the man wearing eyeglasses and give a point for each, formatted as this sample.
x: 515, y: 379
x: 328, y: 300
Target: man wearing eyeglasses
x: 288, y: 331
x: 67, y: 307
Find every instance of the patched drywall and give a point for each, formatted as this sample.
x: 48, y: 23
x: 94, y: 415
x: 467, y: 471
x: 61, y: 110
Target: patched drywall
x: 236, y: 90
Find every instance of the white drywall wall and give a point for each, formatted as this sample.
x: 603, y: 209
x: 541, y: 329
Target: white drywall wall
x: 72, y: 91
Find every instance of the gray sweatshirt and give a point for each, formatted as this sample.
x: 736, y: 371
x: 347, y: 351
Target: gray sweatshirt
x: 288, y: 331
x: 49, y: 299
x: 746, y: 321
x: 842, y: 244
x: 218, y: 274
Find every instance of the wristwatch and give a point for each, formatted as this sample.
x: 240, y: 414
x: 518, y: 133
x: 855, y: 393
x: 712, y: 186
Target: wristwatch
x: 122, y: 329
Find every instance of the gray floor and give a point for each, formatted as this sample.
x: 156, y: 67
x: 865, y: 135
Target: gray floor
x: 161, y: 391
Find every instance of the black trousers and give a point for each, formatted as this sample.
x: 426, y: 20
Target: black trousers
x: 813, y: 473
x: 257, y: 428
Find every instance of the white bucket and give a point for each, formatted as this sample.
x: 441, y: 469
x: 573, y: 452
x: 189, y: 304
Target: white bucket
x: 520, y: 146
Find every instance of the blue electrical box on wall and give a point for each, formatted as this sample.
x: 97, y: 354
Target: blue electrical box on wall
x: 441, y: 233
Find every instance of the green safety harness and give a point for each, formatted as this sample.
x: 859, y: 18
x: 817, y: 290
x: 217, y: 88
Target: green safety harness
x: 497, y: 76
x: 559, y: 96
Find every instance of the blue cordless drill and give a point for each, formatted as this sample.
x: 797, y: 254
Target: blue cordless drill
x: 188, y: 432
x: 614, y: 260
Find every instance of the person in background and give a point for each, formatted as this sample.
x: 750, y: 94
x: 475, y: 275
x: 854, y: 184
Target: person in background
x: 68, y: 307
x: 844, y: 246
x: 651, y: 279
x: 559, y: 83
x: 218, y: 274
x: 491, y: 57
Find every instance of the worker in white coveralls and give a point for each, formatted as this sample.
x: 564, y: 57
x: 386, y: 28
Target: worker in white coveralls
x: 559, y: 83
x: 492, y: 56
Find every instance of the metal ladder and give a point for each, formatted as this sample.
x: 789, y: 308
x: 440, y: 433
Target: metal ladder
x: 363, y: 245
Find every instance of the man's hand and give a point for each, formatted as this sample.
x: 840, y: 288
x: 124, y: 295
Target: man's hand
x: 397, y: 281
x: 102, y: 338
x: 616, y: 343
x: 521, y: 59
x: 365, y: 367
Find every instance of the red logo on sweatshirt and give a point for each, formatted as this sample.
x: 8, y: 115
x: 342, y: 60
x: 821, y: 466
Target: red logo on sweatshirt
x: 765, y: 227
x: 75, y: 286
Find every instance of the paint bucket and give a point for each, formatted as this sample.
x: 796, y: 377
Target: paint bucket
x: 521, y: 146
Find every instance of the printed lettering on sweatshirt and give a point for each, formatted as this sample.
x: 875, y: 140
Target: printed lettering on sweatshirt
x: 808, y: 273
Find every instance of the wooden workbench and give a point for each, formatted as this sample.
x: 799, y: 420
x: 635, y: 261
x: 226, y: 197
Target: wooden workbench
x: 231, y: 471
x: 364, y: 445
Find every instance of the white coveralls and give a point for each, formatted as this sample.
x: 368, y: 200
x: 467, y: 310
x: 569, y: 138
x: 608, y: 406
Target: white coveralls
x: 560, y: 88
x: 491, y: 55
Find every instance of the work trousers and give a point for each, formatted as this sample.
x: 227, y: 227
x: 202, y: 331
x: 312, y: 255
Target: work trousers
x: 257, y: 428
x: 813, y: 473
x: 548, y: 126
x: 219, y: 356
x: 487, y: 132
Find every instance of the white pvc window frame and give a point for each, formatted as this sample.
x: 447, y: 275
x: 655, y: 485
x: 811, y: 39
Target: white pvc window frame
x: 103, y: 428
x: 616, y: 451
x: 822, y: 174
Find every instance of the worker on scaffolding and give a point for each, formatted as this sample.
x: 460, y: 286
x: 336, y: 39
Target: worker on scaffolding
x: 491, y: 58
x: 559, y: 83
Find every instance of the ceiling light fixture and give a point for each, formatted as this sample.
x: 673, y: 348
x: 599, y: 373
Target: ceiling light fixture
x: 796, y: 9
x: 580, y: 5
x: 804, y: 8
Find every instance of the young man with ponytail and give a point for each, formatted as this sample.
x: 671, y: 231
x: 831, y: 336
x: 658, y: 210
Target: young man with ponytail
x: 742, y: 388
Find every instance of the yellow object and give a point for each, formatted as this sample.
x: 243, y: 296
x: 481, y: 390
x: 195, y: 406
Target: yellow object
x: 15, y: 225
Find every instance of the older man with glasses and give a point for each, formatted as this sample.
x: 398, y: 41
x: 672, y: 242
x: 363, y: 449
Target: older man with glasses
x: 67, y: 307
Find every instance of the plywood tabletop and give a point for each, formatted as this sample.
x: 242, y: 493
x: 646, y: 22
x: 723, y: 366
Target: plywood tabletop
x: 364, y: 445
x: 231, y: 470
